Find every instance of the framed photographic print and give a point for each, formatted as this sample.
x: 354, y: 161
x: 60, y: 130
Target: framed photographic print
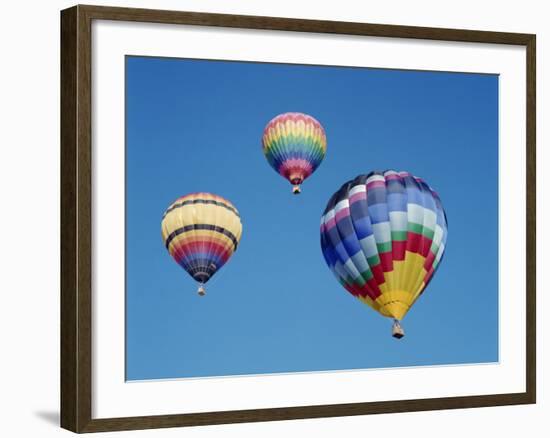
x: 268, y: 218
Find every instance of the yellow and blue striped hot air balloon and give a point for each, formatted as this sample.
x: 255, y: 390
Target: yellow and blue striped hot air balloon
x: 294, y: 144
x: 383, y: 235
x: 201, y: 231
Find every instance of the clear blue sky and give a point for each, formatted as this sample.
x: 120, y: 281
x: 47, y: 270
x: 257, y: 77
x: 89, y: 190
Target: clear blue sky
x: 276, y: 307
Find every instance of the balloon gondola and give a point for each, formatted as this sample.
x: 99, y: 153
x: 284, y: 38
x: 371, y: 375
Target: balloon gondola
x: 201, y: 231
x: 383, y: 235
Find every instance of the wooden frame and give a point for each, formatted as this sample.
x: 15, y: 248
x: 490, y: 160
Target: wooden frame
x: 76, y: 238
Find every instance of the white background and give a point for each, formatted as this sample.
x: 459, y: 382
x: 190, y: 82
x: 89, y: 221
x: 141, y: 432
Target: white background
x: 29, y: 223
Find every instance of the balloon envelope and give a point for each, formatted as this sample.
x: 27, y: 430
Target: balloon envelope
x: 294, y: 144
x: 201, y: 231
x: 383, y: 235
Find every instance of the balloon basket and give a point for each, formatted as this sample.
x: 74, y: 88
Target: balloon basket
x: 296, y: 189
x: 201, y: 291
x: 397, y: 331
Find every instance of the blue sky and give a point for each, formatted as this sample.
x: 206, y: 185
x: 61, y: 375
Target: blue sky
x: 275, y: 306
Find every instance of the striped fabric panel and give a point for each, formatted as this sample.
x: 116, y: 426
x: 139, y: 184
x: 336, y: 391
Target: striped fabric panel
x: 208, y: 227
x: 189, y: 201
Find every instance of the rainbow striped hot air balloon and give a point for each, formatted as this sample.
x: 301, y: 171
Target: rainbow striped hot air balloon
x: 294, y: 145
x: 383, y: 235
x: 201, y: 231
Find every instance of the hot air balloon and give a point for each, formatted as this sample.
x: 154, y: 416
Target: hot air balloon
x: 383, y: 236
x: 294, y: 145
x: 201, y: 231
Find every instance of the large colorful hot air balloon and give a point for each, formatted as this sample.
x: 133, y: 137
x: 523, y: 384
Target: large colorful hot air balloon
x: 201, y: 232
x: 383, y: 235
x: 294, y: 145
